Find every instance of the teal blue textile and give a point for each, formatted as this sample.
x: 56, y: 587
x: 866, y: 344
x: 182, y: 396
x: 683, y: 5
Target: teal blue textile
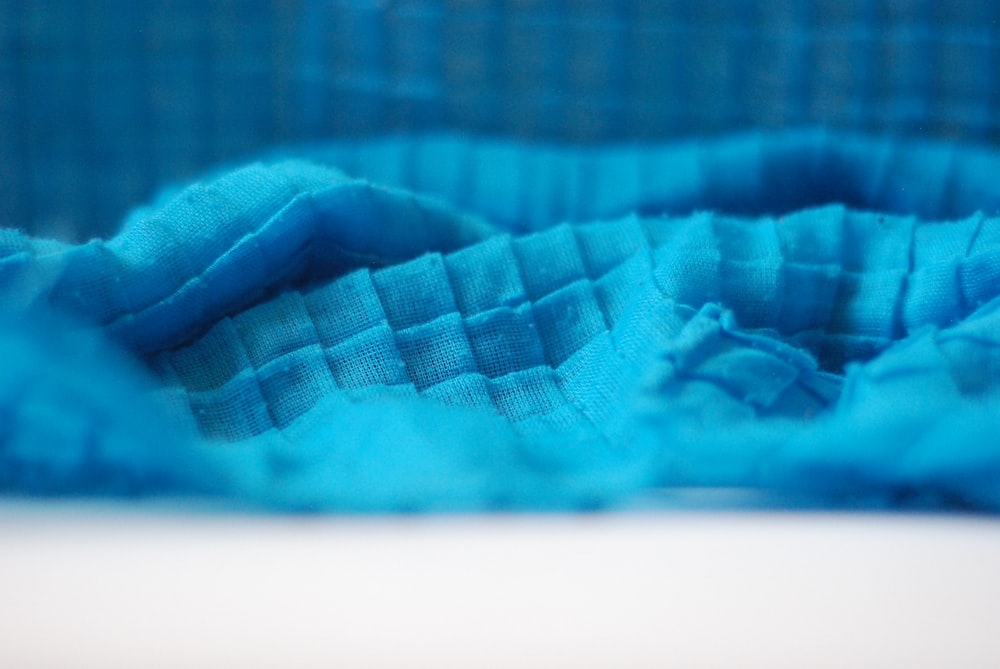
x: 104, y: 101
x: 441, y: 324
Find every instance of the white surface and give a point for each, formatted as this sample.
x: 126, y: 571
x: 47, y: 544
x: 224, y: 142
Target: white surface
x: 139, y: 590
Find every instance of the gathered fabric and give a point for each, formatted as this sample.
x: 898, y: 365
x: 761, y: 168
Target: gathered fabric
x: 441, y: 323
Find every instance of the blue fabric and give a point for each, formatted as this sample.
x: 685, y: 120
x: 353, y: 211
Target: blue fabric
x: 633, y: 279
x: 102, y: 102
x: 440, y: 324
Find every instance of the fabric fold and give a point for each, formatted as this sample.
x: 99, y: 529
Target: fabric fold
x: 769, y: 312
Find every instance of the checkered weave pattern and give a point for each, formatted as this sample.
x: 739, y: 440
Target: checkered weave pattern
x: 103, y: 101
x: 421, y: 330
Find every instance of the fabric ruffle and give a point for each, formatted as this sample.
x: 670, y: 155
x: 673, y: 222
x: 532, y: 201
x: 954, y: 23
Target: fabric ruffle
x: 442, y: 324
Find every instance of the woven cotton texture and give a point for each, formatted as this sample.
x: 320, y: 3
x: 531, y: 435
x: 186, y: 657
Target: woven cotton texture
x: 447, y: 325
x: 101, y: 102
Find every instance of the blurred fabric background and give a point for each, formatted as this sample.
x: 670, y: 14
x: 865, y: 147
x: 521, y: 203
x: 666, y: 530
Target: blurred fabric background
x: 102, y: 101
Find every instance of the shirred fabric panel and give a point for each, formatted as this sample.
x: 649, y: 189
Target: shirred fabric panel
x: 301, y: 337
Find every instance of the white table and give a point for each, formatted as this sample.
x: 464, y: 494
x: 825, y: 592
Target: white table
x: 94, y: 586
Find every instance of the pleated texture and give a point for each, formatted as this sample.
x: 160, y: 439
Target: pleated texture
x: 427, y: 328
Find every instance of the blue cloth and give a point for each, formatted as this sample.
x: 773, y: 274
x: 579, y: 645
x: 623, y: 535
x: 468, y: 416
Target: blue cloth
x: 102, y: 102
x: 441, y: 324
